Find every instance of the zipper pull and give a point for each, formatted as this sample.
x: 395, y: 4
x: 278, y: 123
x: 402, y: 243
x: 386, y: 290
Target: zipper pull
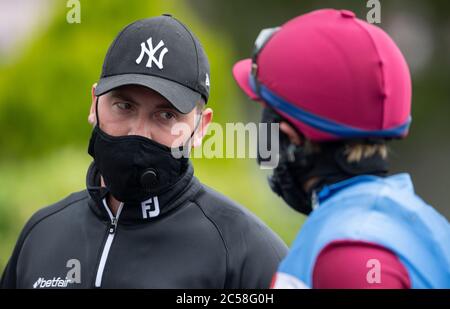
x: 113, y: 226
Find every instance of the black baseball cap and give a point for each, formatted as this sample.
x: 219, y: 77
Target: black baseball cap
x: 162, y: 54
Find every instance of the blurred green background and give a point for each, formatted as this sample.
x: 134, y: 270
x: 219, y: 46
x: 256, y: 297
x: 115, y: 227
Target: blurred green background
x: 47, y: 68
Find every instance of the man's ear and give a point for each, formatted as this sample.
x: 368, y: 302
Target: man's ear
x: 293, y: 135
x: 205, y: 121
x: 92, y: 119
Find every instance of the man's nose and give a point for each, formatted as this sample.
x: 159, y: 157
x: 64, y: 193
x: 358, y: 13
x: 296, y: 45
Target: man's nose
x: 141, y: 127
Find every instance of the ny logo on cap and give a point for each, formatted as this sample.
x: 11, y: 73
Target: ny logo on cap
x: 150, y: 52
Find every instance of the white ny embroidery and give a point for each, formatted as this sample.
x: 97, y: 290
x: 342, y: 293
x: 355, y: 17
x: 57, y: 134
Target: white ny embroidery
x: 150, y: 52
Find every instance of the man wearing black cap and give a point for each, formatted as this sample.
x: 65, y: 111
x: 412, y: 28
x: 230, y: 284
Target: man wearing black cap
x: 145, y: 221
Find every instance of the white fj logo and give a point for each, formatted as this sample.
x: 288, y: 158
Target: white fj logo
x: 150, y: 52
x: 207, y: 80
x: 150, y: 208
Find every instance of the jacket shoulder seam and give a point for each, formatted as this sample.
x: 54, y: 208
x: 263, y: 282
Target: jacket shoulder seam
x: 221, y: 237
x: 33, y: 225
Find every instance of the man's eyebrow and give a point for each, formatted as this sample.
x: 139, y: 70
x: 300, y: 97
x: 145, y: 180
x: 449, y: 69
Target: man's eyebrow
x: 128, y: 98
x: 165, y: 104
x: 121, y: 95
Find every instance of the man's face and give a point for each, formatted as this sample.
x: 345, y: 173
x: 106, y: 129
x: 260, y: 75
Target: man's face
x: 137, y: 110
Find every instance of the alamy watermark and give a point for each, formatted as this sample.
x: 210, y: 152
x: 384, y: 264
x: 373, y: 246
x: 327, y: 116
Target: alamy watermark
x: 73, y: 15
x: 373, y: 276
x: 231, y: 141
x: 374, y: 14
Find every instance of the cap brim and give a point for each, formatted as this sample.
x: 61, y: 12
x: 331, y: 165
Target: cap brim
x: 241, y: 73
x: 181, y: 97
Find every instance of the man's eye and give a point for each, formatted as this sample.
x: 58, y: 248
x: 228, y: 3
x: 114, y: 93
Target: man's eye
x: 166, y: 115
x: 123, y: 105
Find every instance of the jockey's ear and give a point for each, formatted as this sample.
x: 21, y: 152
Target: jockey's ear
x: 287, y: 129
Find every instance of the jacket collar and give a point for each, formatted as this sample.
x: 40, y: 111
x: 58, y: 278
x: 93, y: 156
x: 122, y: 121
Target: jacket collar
x: 150, y: 210
x: 400, y: 181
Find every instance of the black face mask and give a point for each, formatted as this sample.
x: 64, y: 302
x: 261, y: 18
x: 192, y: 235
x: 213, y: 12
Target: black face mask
x: 297, y: 166
x: 136, y: 168
x: 293, y: 164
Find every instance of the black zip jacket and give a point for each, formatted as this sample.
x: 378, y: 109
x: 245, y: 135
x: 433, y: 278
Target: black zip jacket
x: 188, y: 237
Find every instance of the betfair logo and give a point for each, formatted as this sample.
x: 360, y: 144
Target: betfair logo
x: 73, y: 276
